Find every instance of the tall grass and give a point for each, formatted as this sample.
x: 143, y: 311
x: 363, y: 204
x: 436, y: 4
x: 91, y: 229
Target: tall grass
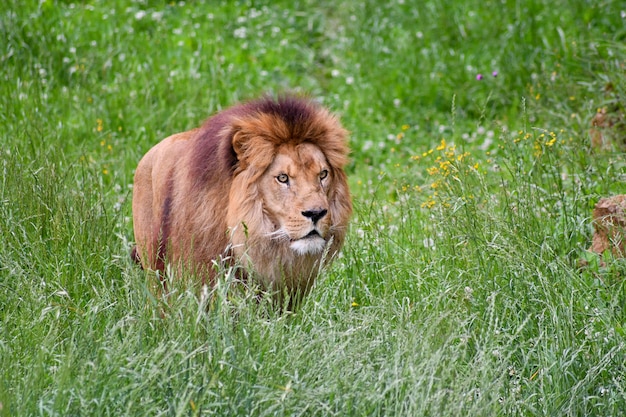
x: 460, y: 288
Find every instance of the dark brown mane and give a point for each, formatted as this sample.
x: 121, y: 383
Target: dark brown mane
x: 213, y: 154
x: 299, y: 116
x: 213, y: 151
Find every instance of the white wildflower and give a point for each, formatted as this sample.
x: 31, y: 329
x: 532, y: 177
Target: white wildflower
x: 240, y: 33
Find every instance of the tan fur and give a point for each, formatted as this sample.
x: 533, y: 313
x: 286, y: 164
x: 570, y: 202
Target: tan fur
x: 191, y: 202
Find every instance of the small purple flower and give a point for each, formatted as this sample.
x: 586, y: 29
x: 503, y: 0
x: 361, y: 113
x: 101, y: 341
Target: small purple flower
x: 479, y: 77
x: 495, y: 73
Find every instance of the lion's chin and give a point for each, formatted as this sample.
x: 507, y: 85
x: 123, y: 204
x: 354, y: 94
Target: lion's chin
x: 308, y: 245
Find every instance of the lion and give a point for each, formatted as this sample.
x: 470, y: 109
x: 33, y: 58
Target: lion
x: 261, y: 184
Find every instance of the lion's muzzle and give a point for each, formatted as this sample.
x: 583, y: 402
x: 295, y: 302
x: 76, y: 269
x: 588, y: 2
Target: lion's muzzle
x: 310, y: 244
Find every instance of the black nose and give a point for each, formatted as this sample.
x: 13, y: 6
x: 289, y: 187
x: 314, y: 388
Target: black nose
x: 315, y: 214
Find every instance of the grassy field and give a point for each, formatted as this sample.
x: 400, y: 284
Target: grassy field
x: 459, y: 290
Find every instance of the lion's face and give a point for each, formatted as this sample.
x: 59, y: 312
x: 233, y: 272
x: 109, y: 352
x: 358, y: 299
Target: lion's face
x: 295, y: 197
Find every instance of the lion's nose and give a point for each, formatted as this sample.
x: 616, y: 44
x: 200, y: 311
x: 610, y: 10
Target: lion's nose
x: 315, y: 214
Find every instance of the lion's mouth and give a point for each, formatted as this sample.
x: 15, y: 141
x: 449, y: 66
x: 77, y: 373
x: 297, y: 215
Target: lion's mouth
x: 313, y: 233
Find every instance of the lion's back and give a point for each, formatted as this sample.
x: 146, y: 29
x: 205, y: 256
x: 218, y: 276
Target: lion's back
x: 180, y: 184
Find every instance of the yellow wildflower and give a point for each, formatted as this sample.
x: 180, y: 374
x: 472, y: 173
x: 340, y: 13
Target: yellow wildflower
x: 428, y: 204
x: 445, y: 167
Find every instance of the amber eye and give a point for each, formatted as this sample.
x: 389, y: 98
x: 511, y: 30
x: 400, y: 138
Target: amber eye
x: 323, y: 174
x: 282, y: 178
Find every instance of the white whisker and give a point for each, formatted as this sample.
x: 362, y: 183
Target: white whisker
x: 280, y: 234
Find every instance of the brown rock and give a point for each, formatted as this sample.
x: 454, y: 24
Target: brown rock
x: 609, y: 222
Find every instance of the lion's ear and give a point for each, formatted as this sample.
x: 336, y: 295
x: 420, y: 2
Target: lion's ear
x: 250, y: 149
x: 239, y: 142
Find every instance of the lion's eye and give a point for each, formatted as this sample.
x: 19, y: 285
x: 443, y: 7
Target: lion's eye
x: 282, y: 178
x: 323, y: 174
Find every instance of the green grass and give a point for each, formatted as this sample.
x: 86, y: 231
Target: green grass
x: 458, y: 291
